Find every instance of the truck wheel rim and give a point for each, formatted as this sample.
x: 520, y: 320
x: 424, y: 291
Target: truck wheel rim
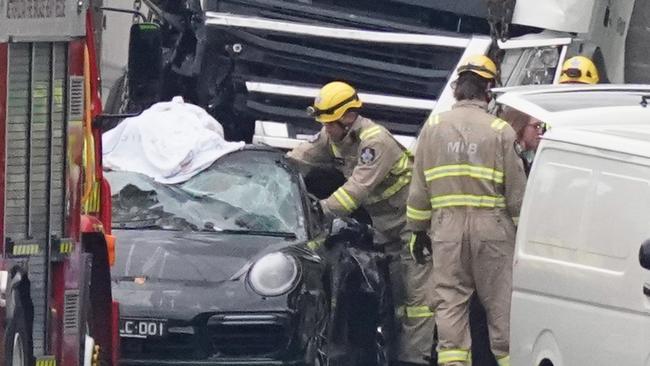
x: 18, y: 358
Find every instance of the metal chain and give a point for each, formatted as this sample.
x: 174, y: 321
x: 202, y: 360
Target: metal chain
x: 124, y: 94
x: 499, y: 17
x: 137, y: 4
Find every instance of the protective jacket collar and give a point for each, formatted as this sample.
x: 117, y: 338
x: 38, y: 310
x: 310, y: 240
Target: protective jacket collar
x: 471, y: 103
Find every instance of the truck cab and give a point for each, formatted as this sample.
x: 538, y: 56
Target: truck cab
x: 256, y: 65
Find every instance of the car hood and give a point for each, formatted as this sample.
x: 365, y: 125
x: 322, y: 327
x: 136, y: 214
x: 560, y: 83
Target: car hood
x: 175, y: 256
x: 172, y: 272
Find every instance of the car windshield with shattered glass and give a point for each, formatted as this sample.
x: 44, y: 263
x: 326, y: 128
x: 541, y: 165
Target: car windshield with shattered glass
x: 246, y: 191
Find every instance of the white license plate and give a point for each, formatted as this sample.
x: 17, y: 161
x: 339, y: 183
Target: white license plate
x: 142, y: 328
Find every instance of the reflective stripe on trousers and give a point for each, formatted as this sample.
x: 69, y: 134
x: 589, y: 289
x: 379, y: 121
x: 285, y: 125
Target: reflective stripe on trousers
x: 419, y: 312
x: 454, y: 355
x: 415, y: 214
x: 504, y: 360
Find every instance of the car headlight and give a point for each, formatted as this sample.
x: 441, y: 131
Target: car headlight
x: 274, y: 274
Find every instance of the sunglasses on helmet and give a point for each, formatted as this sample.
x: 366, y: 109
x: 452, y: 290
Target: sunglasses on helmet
x: 575, y: 73
x: 315, y: 111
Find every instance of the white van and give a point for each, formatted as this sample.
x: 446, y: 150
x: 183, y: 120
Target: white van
x: 581, y: 296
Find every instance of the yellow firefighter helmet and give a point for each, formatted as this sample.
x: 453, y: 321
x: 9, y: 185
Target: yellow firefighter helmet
x: 333, y: 100
x: 580, y: 70
x: 480, y: 65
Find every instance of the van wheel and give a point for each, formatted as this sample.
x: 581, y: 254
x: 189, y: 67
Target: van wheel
x: 17, y: 339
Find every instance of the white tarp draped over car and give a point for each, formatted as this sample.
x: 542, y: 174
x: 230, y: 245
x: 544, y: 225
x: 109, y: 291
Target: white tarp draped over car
x: 170, y: 142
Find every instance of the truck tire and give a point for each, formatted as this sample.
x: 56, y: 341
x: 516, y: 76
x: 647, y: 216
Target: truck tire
x: 18, y: 350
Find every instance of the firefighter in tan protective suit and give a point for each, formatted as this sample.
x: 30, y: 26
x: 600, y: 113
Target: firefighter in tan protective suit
x: 378, y: 172
x: 467, y: 189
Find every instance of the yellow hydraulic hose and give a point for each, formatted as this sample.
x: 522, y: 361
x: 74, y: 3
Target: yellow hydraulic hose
x: 89, y: 142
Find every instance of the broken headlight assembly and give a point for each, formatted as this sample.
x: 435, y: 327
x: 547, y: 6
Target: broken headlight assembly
x: 274, y: 274
x: 528, y: 66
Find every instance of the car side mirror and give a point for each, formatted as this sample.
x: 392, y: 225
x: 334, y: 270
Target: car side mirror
x: 145, y: 64
x: 644, y: 254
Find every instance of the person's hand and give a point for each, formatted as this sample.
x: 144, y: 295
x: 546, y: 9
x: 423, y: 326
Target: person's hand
x: 420, y: 247
x: 327, y: 213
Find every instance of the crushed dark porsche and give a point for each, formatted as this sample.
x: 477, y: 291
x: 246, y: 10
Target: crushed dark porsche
x: 228, y: 268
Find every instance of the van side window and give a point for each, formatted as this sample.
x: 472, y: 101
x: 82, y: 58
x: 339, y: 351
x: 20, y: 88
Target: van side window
x: 587, y: 209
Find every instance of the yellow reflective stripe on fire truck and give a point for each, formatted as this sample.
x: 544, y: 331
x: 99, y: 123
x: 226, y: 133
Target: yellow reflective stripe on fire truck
x: 503, y: 360
x: 25, y: 249
x: 91, y: 204
x: 46, y: 361
x: 464, y: 170
x: 66, y: 246
x: 415, y: 214
x: 369, y: 132
x: 419, y: 312
x: 345, y: 199
x: 57, y: 93
x: 498, y: 124
x: 469, y: 200
x: 453, y: 355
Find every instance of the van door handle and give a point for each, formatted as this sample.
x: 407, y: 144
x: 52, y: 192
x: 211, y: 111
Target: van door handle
x: 646, y: 289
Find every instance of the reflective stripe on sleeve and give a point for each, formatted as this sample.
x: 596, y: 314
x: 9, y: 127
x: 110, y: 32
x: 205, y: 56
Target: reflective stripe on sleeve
x: 369, y: 132
x: 433, y: 120
x: 415, y: 214
x: 466, y: 170
x: 498, y: 124
x: 402, y: 164
x: 401, y: 182
x: 468, y: 200
x: 345, y: 199
x: 452, y: 355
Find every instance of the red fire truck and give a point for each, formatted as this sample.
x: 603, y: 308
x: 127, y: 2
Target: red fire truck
x: 56, y: 306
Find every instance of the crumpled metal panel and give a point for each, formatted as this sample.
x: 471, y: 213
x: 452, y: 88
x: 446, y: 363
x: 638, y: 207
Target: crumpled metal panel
x: 559, y: 15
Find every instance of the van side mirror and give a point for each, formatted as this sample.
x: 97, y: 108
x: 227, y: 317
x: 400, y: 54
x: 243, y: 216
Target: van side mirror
x: 644, y: 254
x: 145, y: 65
